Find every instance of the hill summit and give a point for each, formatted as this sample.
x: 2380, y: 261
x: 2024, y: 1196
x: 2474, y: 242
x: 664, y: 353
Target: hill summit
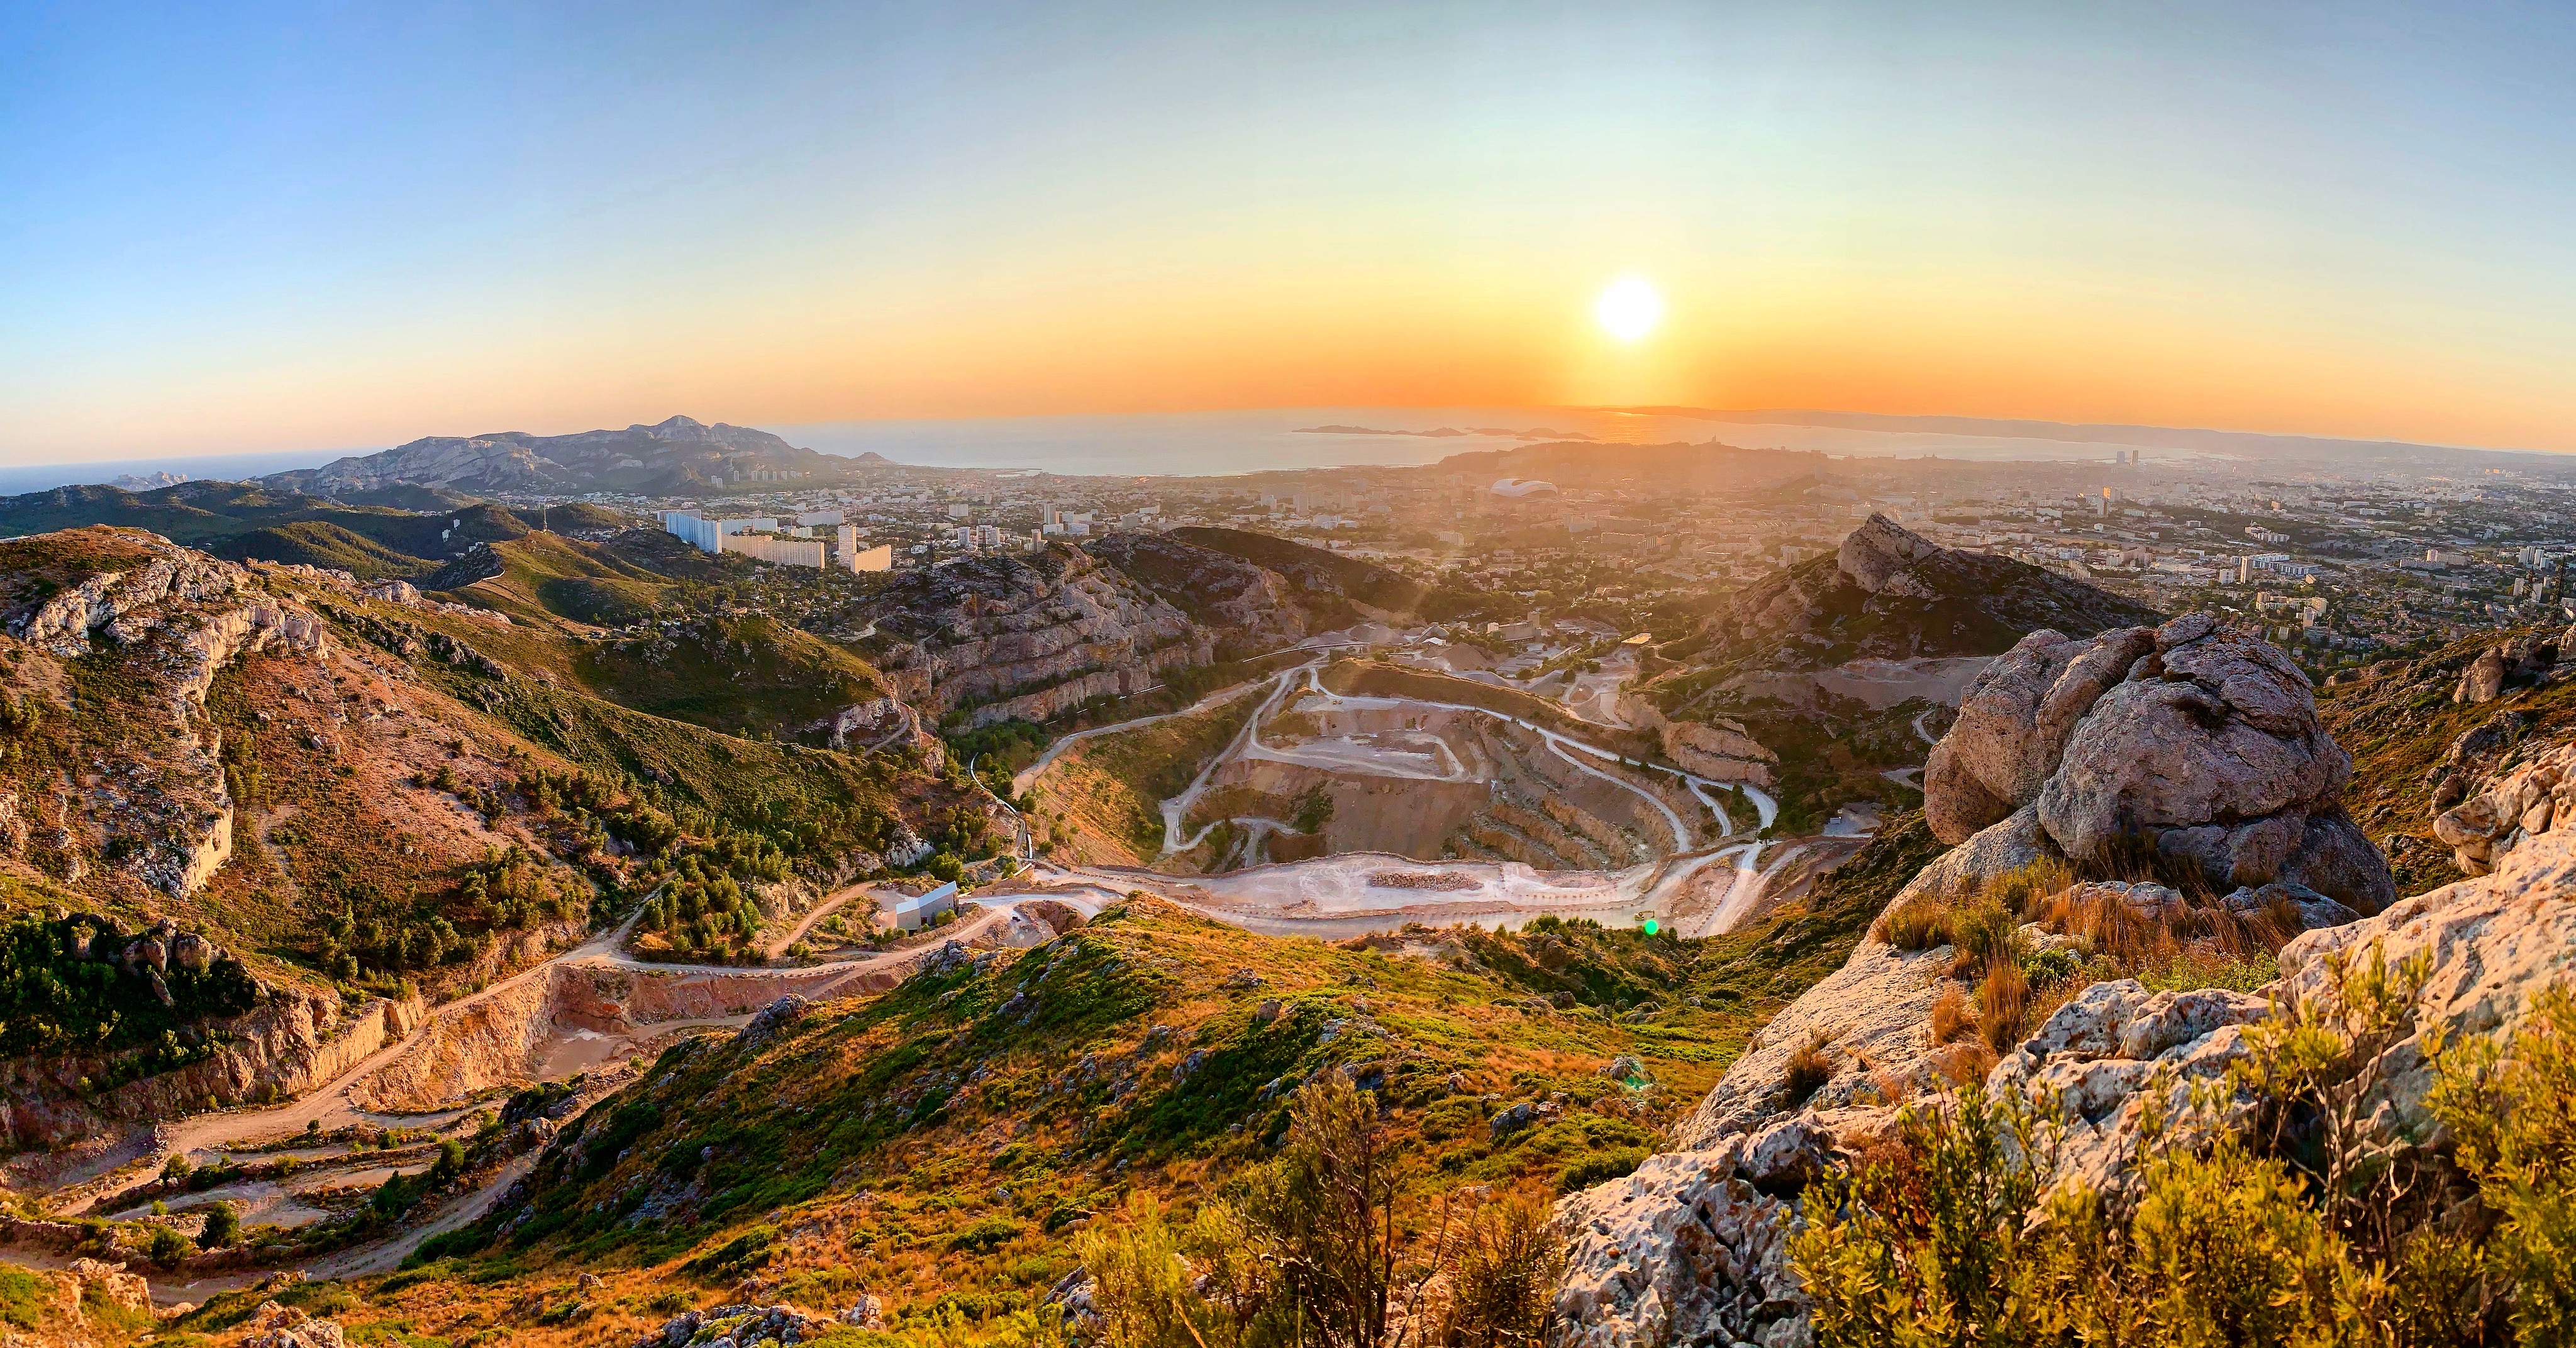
x: 1889, y: 593
x: 672, y: 454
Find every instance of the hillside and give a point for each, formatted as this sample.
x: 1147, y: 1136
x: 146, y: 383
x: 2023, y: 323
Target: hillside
x: 1841, y: 667
x: 679, y: 454
x: 241, y: 521
x: 1889, y: 594
x: 1339, y: 589
x: 363, y: 794
x: 2424, y: 739
x: 942, y: 1147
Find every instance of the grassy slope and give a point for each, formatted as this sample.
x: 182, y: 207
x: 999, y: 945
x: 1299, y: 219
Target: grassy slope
x: 1109, y: 791
x: 937, y: 1145
x: 324, y: 544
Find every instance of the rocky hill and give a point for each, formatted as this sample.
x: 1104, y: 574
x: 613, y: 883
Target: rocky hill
x: 363, y: 793
x: 1889, y: 594
x: 2169, y: 1031
x: 679, y: 454
x: 1255, y: 607
x: 1338, y: 590
x: 1823, y: 678
x: 1010, y: 638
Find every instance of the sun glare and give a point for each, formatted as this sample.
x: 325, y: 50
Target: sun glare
x: 1629, y: 309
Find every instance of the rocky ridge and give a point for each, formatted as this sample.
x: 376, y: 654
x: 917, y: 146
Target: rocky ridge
x: 1028, y: 638
x: 1690, y: 1247
x: 676, y: 453
x: 1256, y: 605
x: 1889, y: 593
x: 179, y: 617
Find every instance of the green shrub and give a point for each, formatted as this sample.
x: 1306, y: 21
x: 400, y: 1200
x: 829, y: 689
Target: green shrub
x: 2513, y: 1115
x: 1917, y: 924
x: 23, y: 1297
x: 1594, y: 1167
x: 223, y: 1227
x: 168, y: 1247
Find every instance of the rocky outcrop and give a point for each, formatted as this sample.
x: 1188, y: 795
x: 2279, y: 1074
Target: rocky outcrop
x: 1684, y: 1251
x: 1887, y: 593
x: 2201, y: 743
x: 743, y: 1326
x: 176, y: 618
x: 1253, y: 604
x: 884, y: 723
x: 1722, y: 751
x: 2537, y: 797
x: 2524, y: 660
x: 2013, y: 724
x: 1029, y: 638
x: 276, y: 1326
x: 290, y: 1043
x: 2064, y: 745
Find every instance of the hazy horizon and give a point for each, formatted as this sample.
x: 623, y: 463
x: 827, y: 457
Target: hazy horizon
x: 1207, y: 443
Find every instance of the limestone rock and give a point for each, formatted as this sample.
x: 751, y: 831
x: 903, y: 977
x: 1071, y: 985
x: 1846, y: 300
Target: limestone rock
x: 2312, y: 909
x: 2494, y: 944
x: 2200, y: 742
x: 2534, y: 798
x: 2483, y: 680
x: 2116, y: 1054
x: 743, y: 1326
x: 276, y: 1326
x: 1998, y: 849
x: 2227, y: 731
x: 2013, y: 725
x: 1721, y: 753
x: 1681, y: 1252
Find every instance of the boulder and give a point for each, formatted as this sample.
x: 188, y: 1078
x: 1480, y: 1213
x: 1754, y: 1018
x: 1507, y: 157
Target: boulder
x: 1999, y: 849
x: 2201, y: 743
x: 2227, y: 731
x: 2312, y: 909
x: 2013, y: 723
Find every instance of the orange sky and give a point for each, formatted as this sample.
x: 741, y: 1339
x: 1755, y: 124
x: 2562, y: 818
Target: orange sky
x: 358, y: 232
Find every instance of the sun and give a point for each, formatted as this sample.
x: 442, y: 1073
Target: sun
x: 1629, y: 309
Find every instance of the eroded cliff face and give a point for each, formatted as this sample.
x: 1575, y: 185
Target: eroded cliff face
x: 293, y: 1042
x: 168, y: 620
x: 1029, y: 638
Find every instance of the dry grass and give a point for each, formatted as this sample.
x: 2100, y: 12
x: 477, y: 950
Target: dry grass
x: 1964, y: 1062
x: 2133, y: 941
x: 1951, y: 1018
x: 2003, y: 1005
x: 2025, y: 889
x: 1917, y: 924
x: 1807, y: 1070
